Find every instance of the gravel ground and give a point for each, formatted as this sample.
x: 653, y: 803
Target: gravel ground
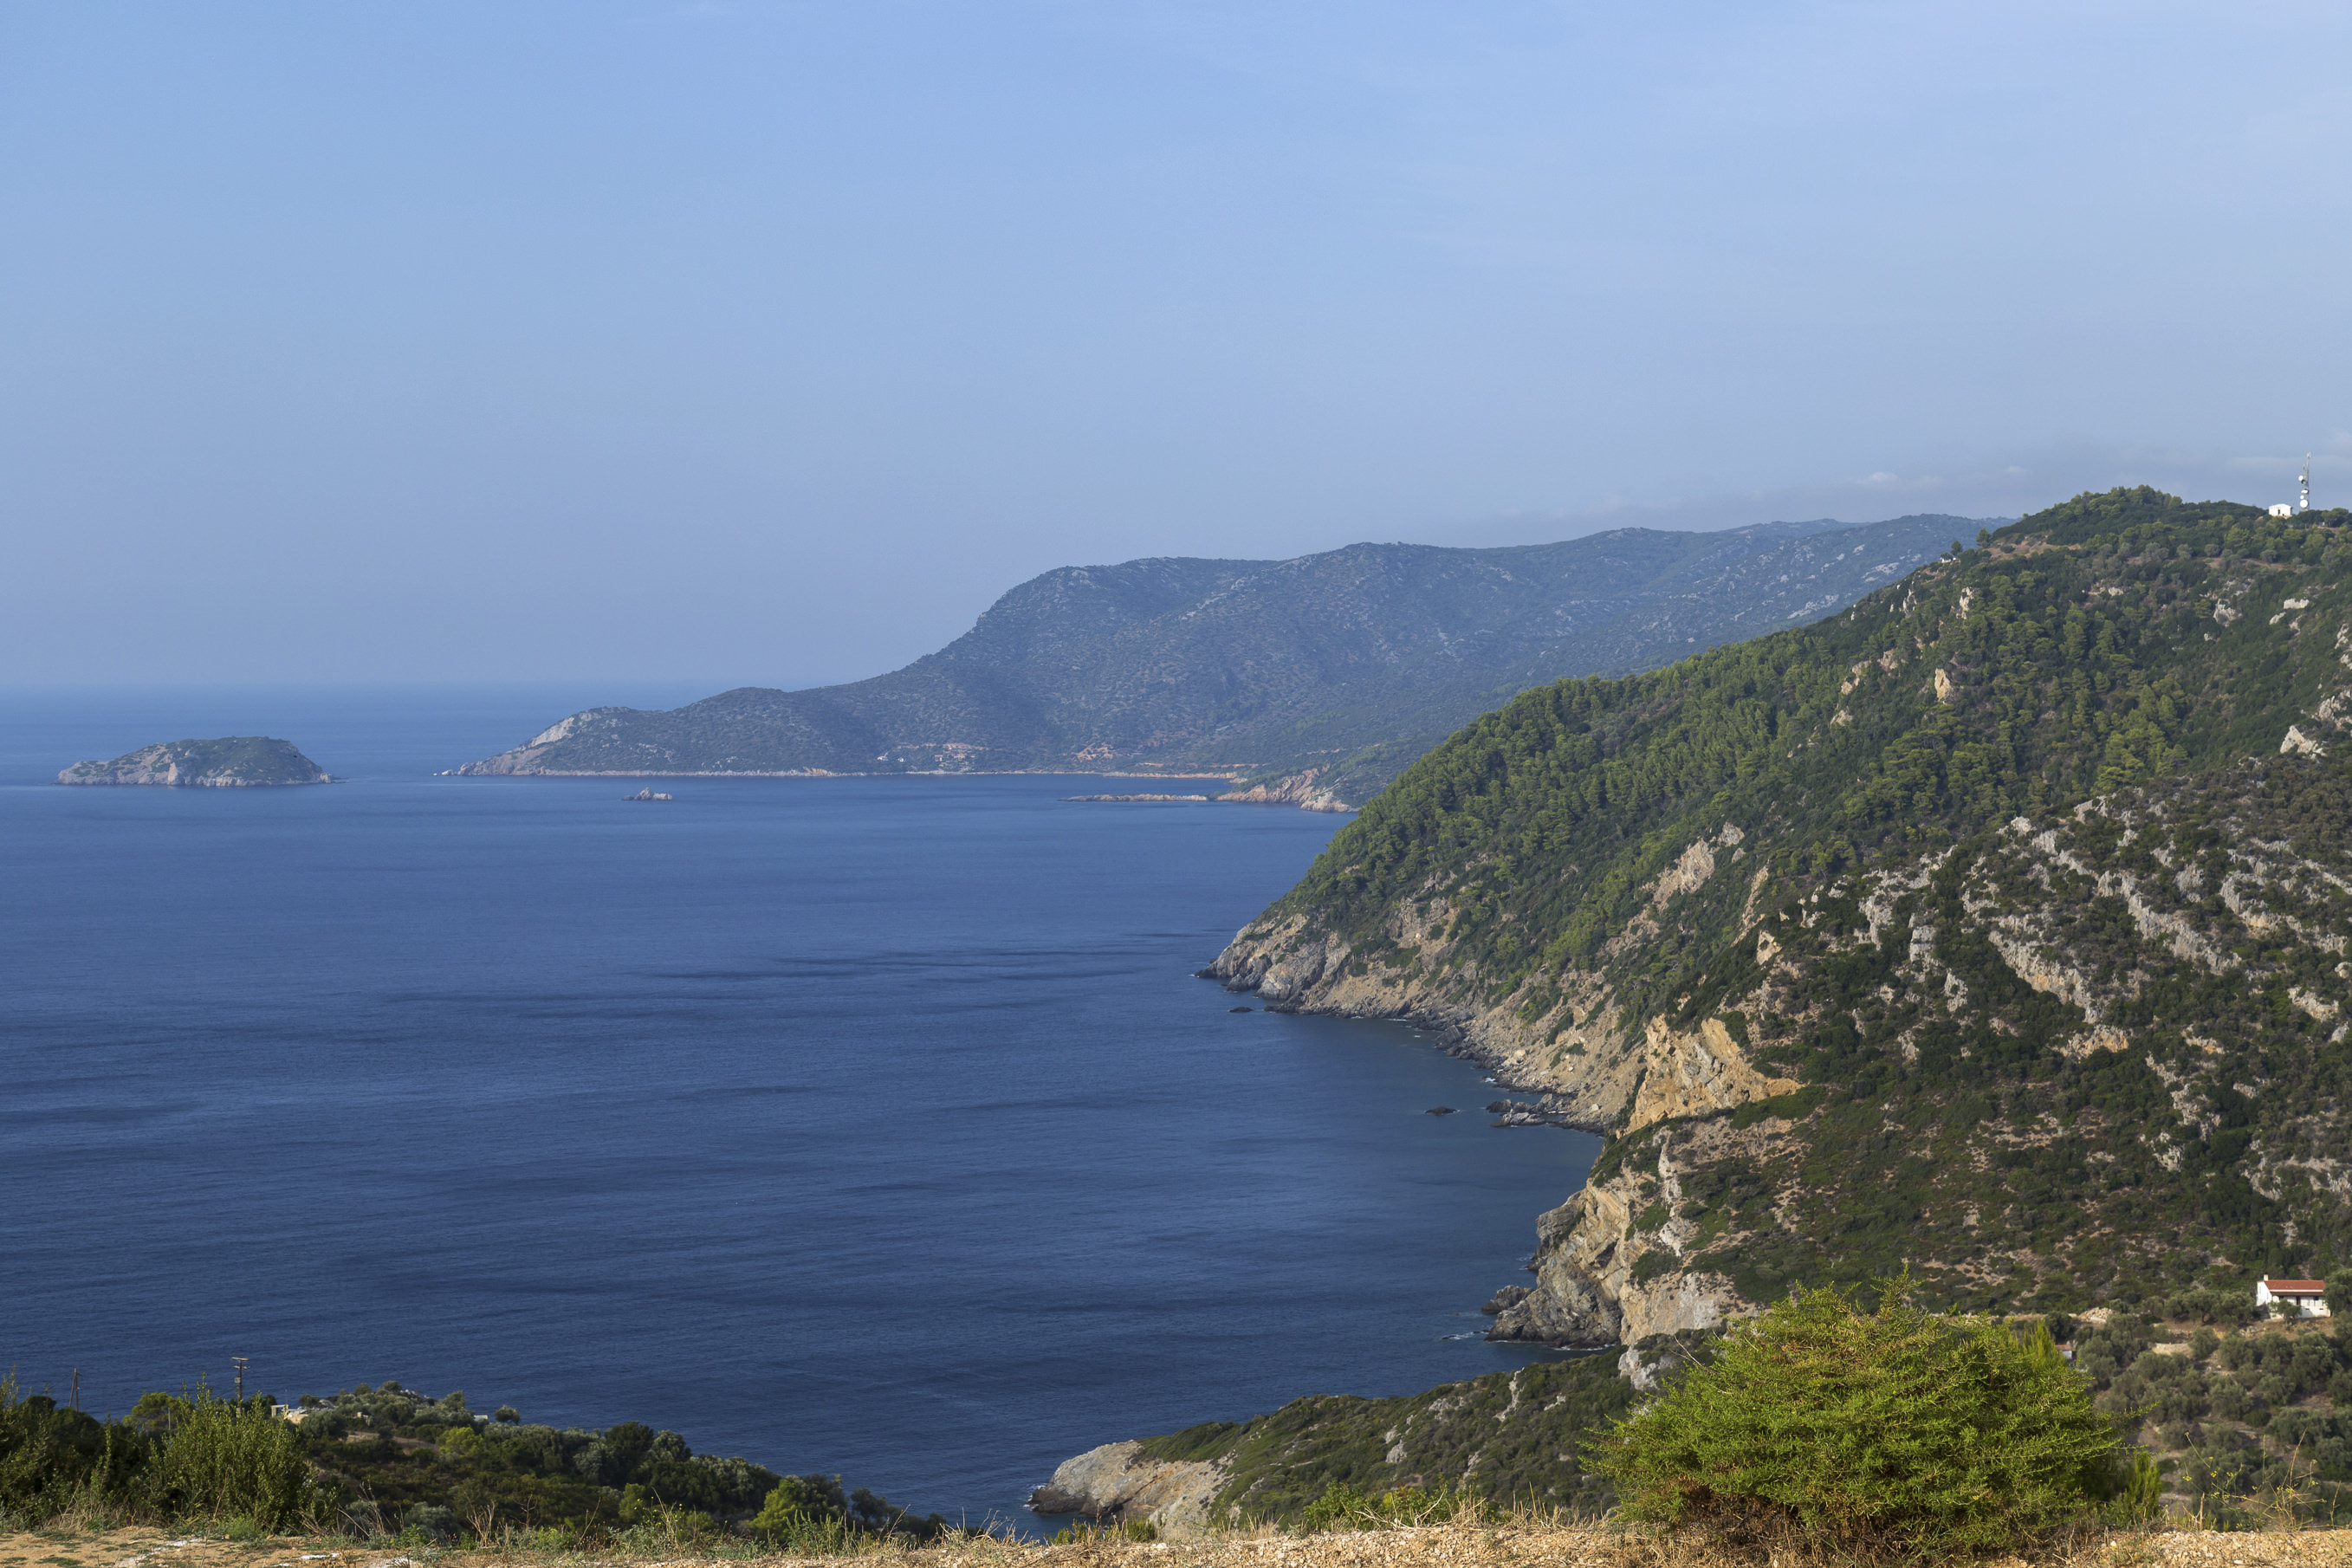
x: 1440, y: 1547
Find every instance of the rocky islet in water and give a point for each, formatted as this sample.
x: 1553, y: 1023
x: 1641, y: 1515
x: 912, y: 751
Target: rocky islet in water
x: 232, y: 761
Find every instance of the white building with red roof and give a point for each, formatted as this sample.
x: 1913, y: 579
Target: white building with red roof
x: 2292, y: 1298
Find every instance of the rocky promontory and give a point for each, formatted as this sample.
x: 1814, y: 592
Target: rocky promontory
x: 233, y: 761
x: 1298, y: 789
x: 1120, y: 1481
x: 1132, y: 799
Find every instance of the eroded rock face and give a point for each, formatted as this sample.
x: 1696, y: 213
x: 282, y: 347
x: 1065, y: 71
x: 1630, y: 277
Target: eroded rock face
x: 1698, y: 1074
x: 1610, y: 1263
x: 1567, y: 1309
x: 1297, y: 789
x: 1118, y: 1482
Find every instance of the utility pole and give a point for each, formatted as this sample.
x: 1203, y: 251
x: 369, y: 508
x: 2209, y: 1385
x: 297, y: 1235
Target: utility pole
x: 240, y: 1377
x: 75, y: 1400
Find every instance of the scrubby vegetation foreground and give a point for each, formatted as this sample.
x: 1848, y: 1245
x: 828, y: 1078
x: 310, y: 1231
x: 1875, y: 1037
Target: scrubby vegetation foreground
x: 2239, y: 1421
x: 388, y: 1464
x: 1828, y: 1427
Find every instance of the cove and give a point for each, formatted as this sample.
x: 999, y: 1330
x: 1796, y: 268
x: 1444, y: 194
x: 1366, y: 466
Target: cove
x: 874, y: 1126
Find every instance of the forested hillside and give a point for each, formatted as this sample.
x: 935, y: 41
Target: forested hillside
x: 1996, y: 924
x: 1345, y: 664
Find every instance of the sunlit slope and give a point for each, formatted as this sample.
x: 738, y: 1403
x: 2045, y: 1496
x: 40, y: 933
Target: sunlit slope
x: 1997, y: 923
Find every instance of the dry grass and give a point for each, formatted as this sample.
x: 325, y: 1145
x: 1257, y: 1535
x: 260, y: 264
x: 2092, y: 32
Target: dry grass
x: 1517, y: 1545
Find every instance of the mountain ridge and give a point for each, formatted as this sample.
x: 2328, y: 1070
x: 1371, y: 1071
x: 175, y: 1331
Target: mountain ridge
x: 1995, y: 925
x: 1348, y: 663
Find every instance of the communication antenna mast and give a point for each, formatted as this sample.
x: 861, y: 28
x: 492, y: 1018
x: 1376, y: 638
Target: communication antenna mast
x: 2306, y: 482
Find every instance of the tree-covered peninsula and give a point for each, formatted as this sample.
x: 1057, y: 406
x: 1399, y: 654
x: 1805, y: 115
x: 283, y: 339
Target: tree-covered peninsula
x: 1997, y: 925
x: 1311, y: 682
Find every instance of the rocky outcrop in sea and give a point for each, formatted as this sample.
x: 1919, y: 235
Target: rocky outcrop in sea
x: 233, y: 761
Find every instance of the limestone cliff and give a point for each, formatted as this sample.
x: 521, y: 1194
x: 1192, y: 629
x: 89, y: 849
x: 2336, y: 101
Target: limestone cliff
x: 1120, y: 1483
x: 1615, y: 1068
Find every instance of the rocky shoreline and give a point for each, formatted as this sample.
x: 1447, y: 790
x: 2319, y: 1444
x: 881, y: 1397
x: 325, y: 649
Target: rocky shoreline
x: 1566, y: 1309
x: 1601, y: 1073
x: 1118, y: 1482
x: 1127, y: 799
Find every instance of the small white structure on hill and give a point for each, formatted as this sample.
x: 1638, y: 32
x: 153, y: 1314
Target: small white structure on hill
x: 2283, y: 510
x: 2292, y: 1298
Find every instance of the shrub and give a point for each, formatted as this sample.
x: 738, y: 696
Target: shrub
x: 803, y: 1516
x: 2225, y: 1307
x: 51, y: 1459
x: 230, y: 1461
x: 1896, y: 1427
x: 430, y: 1521
x: 1124, y: 1529
x: 1346, y: 1507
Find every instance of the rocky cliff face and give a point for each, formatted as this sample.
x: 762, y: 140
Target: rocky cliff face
x: 1298, y: 789
x: 1615, y: 1067
x: 1120, y: 1483
x: 231, y: 763
x: 1997, y: 927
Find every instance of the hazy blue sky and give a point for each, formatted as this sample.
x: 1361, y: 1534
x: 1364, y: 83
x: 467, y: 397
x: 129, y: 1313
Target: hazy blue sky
x: 769, y: 342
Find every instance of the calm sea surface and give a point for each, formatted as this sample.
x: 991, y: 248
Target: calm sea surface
x: 871, y: 1126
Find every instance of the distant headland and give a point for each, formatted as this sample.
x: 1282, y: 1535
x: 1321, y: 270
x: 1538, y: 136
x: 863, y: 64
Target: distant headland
x: 1309, y: 682
x: 232, y: 761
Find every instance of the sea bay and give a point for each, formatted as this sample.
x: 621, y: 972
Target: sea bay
x: 870, y: 1126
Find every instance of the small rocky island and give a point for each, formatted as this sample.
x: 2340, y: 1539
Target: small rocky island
x: 233, y: 761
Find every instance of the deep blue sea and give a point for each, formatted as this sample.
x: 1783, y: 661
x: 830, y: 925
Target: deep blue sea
x: 869, y: 1126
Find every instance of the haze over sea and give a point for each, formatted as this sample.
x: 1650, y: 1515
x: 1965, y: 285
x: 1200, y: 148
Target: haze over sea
x: 869, y: 1126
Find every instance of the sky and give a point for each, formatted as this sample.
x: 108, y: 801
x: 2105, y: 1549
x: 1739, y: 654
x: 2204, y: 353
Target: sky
x: 742, y: 342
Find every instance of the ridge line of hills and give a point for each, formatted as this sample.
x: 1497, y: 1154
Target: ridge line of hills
x: 1997, y: 926
x: 1312, y: 681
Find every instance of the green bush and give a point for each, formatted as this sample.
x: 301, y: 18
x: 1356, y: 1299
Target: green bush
x: 52, y: 1458
x: 226, y: 1460
x: 1896, y: 1427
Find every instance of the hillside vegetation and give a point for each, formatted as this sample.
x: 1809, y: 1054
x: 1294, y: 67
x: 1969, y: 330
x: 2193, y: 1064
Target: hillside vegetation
x: 1346, y: 664
x: 391, y: 1462
x: 2234, y: 1421
x: 1996, y: 924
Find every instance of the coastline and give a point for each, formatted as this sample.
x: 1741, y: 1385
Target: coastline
x: 826, y: 773
x: 1588, y: 1294
x: 1298, y: 791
